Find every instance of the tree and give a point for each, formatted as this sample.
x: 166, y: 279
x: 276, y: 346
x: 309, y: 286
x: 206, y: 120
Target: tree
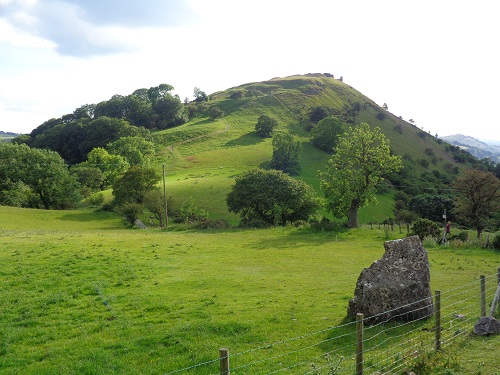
x: 326, y: 134
x: 111, y: 166
x: 265, y: 126
x: 286, y: 153
x: 316, y: 114
x: 271, y: 197
x: 133, y: 186
x: 136, y: 150
x: 363, y: 158
x: 200, y: 96
x: 431, y: 206
x: 89, y: 177
x: 41, y: 175
x: 154, y: 201
x: 478, y: 198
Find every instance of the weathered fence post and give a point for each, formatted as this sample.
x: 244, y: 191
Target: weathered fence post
x: 359, y: 343
x: 498, y: 279
x: 483, y: 295
x: 224, y: 361
x: 438, y: 319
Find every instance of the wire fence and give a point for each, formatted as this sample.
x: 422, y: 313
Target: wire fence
x: 387, y: 347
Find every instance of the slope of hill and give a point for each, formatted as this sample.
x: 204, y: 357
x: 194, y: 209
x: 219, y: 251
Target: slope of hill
x: 475, y: 147
x: 220, y: 149
x: 203, y: 155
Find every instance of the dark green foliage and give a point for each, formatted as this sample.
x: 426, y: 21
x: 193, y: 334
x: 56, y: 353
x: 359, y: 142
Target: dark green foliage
x: 133, y: 186
x: 381, y: 116
x: 216, y: 112
x: 286, y: 153
x: 326, y: 134
x: 431, y: 206
x: 478, y: 198
x: 316, y: 114
x: 238, y: 94
x: 154, y: 201
x: 200, y: 96
x: 425, y: 227
x: 130, y: 212
x: 271, y: 197
x: 31, y: 177
x: 89, y: 177
x: 496, y: 241
x: 265, y: 126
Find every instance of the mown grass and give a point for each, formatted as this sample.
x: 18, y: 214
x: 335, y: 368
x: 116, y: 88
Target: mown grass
x: 82, y: 295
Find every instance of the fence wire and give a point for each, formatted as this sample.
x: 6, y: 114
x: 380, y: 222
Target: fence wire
x: 389, y: 346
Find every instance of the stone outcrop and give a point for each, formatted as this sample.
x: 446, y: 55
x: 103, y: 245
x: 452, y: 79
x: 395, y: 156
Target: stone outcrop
x: 486, y: 326
x: 395, y: 287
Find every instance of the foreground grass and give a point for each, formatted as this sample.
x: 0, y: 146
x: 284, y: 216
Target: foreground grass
x: 82, y: 295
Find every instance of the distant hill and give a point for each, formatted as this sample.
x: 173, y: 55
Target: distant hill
x: 475, y: 147
x: 7, y: 136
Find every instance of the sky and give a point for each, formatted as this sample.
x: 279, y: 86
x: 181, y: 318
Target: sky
x: 433, y: 61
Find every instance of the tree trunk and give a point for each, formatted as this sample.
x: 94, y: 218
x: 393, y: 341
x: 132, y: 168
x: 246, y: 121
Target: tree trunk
x: 353, y: 215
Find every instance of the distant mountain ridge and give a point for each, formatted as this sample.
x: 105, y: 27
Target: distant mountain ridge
x: 474, y: 146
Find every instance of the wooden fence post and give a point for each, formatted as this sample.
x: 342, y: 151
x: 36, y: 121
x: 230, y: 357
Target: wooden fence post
x: 224, y: 361
x: 437, y: 312
x: 359, y: 343
x: 483, y: 295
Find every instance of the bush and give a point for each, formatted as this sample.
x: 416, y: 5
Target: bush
x: 130, y: 212
x: 496, y: 241
x: 425, y: 227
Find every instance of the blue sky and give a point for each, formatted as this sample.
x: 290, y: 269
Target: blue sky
x: 431, y: 61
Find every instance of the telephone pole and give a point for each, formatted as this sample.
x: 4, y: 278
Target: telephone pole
x: 165, y: 196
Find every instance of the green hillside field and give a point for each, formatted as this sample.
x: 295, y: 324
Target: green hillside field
x: 82, y: 295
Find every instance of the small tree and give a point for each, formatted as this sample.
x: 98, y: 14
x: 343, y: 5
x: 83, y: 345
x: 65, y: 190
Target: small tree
x: 265, y: 126
x: 478, y: 198
x: 326, y: 134
x: 134, y: 184
x: 271, y: 197
x: 286, y: 153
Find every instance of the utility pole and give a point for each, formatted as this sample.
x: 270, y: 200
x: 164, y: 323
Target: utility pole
x: 165, y: 196
x: 444, y: 227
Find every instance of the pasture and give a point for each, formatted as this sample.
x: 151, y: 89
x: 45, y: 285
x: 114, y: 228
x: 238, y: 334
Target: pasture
x: 82, y: 295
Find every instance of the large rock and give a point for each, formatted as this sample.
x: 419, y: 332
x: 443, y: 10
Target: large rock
x: 396, y: 286
x: 486, y: 326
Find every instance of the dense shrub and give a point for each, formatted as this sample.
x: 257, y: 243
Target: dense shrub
x: 425, y: 227
x: 496, y: 241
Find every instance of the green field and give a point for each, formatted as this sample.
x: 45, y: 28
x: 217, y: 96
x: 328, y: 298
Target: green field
x: 82, y: 295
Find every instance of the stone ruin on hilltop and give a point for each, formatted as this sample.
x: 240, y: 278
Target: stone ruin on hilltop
x: 395, y: 287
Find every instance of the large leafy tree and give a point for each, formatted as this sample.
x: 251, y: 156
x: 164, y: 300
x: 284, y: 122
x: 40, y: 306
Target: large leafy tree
x: 136, y: 150
x: 351, y: 178
x: 135, y: 183
x: 286, y: 153
x: 271, y: 197
x: 478, y: 198
x: 326, y: 133
x: 111, y: 166
x: 42, y: 176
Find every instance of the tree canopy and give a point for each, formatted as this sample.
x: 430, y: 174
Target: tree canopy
x: 286, y: 153
x: 326, y: 133
x: 271, y: 197
x: 478, y: 198
x: 134, y: 184
x: 362, y: 159
x: 36, y: 178
x: 265, y: 126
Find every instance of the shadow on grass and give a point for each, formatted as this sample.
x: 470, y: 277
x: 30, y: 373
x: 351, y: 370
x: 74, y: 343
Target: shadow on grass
x: 89, y: 216
x: 249, y: 139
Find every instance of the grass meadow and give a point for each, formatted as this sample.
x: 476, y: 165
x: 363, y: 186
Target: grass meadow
x: 82, y: 295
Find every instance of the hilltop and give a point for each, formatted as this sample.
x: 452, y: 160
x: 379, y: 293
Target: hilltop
x: 203, y: 152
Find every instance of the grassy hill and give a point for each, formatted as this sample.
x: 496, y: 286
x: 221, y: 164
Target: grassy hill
x: 203, y: 156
